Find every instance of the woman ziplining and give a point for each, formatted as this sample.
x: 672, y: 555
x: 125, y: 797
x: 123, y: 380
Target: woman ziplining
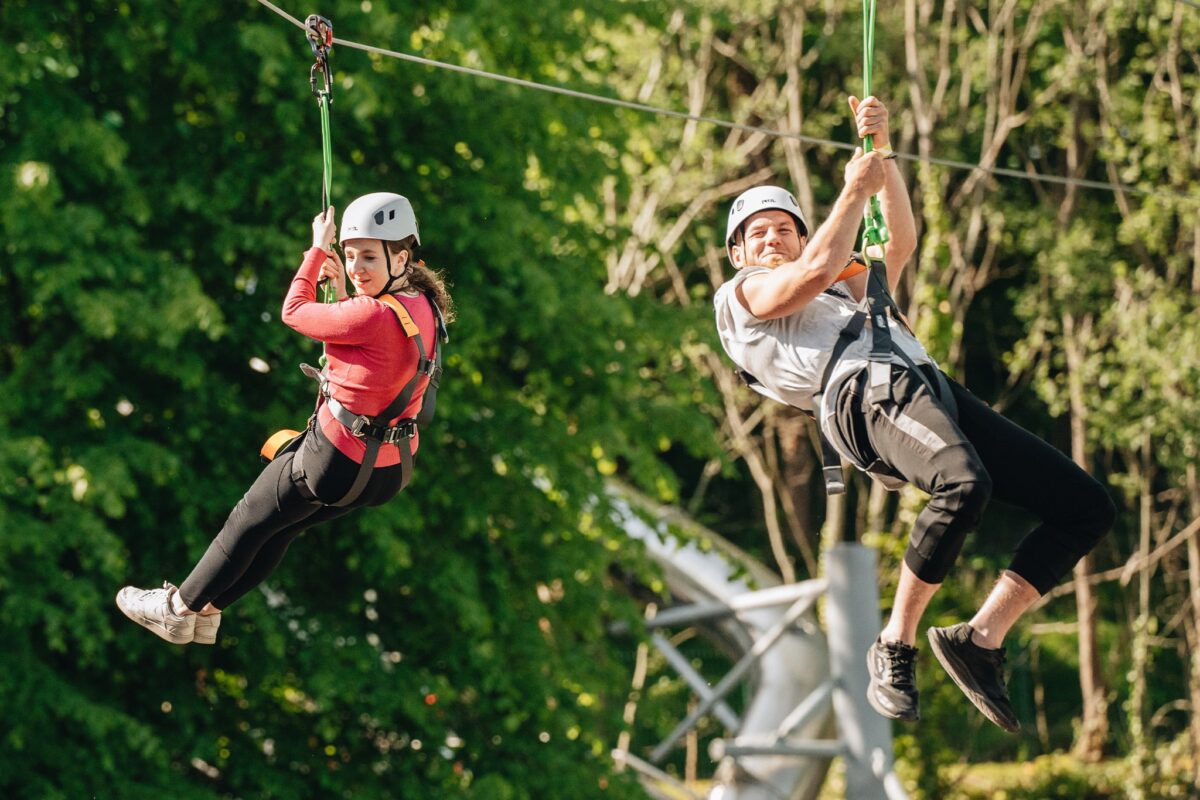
x: 378, y: 386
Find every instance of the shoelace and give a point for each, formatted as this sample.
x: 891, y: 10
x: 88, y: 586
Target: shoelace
x: 900, y: 666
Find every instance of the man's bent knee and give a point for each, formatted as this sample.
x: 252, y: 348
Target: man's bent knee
x: 962, y: 487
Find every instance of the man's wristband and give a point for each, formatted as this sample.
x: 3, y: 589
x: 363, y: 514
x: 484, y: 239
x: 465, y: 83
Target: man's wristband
x: 886, y: 151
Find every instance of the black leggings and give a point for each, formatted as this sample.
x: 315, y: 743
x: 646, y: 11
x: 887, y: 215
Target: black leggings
x: 276, y: 510
x: 963, y: 463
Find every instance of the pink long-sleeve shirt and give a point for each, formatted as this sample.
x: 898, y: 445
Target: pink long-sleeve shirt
x: 369, y: 357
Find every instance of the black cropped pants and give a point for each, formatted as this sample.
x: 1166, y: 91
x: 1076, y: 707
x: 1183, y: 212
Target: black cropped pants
x: 277, y: 508
x: 962, y: 463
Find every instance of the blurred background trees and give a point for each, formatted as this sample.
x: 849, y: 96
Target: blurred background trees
x: 162, y: 165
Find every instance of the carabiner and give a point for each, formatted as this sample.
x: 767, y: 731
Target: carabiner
x: 875, y: 231
x: 324, y: 91
x: 319, y: 32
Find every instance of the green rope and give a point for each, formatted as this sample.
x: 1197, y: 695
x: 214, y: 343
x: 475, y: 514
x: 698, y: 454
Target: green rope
x: 875, y: 228
x: 328, y: 293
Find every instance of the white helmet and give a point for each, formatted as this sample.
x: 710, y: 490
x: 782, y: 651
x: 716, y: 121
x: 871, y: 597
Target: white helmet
x: 760, y: 198
x: 379, y: 215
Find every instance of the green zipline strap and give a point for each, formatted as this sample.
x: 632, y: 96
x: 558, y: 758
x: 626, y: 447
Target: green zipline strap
x: 328, y: 293
x: 326, y: 150
x: 875, y: 228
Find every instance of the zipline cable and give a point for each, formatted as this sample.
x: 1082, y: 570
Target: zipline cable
x: 1005, y: 172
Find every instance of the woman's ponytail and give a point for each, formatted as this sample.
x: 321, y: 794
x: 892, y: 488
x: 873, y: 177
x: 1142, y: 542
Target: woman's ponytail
x: 421, y: 278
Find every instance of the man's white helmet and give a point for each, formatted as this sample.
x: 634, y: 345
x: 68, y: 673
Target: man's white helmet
x: 760, y: 198
x: 379, y: 215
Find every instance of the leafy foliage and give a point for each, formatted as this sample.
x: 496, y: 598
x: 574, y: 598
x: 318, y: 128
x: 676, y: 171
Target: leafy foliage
x: 163, y: 163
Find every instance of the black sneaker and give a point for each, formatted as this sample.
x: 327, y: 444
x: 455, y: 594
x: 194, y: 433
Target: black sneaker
x: 978, y: 671
x: 893, y: 690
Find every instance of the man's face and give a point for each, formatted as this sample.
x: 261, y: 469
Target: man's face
x: 769, y: 238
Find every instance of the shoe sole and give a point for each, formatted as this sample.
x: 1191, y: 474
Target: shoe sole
x: 956, y: 668
x: 156, y: 628
x: 879, y: 709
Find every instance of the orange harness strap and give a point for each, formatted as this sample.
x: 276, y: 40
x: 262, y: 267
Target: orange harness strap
x: 406, y: 321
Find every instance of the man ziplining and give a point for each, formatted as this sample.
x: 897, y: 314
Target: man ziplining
x: 810, y: 327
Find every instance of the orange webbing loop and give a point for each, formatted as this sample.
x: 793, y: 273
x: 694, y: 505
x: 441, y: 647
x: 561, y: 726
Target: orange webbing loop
x: 857, y: 265
x: 852, y: 269
x: 277, y: 442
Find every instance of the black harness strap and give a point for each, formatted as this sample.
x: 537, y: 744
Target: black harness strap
x: 877, y: 304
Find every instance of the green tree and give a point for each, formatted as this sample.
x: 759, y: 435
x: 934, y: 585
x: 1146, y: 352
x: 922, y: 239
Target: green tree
x: 163, y: 163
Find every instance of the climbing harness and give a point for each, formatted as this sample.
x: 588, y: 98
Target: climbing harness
x: 877, y: 305
x: 376, y: 431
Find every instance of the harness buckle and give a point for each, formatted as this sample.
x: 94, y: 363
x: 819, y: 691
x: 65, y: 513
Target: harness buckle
x: 835, y: 482
x: 360, y: 422
x: 405, y: 430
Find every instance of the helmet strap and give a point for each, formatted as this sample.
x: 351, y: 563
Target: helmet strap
x: 387, y: 257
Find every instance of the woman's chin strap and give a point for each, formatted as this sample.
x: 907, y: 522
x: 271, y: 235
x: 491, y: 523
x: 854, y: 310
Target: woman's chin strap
x: 387, y: 256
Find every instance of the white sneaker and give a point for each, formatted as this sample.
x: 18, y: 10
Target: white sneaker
x: 151, y: 608
x: 206, y: 628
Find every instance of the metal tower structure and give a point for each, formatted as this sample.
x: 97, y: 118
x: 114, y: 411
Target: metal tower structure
x: 808, y: 687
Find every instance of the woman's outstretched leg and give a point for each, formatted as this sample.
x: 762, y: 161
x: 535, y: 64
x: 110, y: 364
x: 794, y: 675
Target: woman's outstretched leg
x: 273, y: 503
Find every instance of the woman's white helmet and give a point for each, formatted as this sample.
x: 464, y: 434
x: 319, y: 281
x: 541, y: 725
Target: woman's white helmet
x: 760, y: 198
x: 379, y: 215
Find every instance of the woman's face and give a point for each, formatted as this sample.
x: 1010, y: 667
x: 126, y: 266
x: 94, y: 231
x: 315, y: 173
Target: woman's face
x: 367, y: 267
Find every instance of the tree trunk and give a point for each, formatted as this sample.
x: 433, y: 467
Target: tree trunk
x: 1093, y: 731
x: 1193, y: 551
x: 1139, y: 739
